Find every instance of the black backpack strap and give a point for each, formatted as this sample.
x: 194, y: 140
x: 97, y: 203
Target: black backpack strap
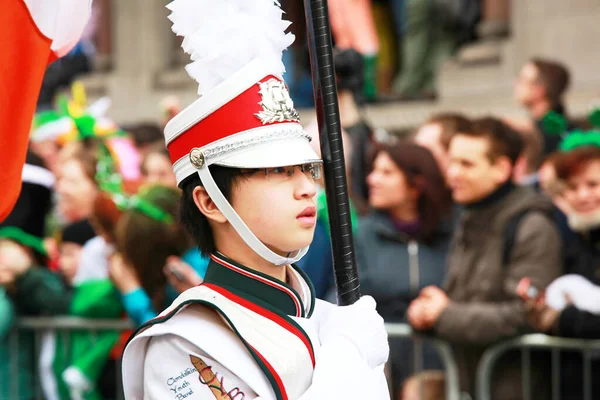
x: 510, y: 234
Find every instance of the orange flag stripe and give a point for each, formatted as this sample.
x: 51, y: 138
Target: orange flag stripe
x: 23, y: 60
x: 25, y: 54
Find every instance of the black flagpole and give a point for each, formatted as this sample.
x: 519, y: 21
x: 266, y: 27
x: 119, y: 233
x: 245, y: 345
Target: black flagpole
x: 330, y: 133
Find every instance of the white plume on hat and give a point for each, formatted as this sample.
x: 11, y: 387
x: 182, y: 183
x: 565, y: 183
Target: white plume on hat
x: 223, y: 36
x: 236, y: 48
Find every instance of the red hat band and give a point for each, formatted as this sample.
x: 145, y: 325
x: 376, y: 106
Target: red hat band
x: 264, y: 104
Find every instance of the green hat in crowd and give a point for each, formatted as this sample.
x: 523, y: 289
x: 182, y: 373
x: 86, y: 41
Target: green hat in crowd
x: 576, y: 138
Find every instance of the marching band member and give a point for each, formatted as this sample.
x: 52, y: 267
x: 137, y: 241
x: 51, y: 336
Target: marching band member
x: 253, y: 329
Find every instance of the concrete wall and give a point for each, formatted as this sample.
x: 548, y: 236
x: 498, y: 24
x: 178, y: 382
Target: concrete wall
x: 142, y: 57
x: 144, y: 50
x: 566, y: 30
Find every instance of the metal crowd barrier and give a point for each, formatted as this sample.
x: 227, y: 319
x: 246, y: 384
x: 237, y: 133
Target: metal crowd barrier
x: 444, y: 350
x: 39, y: 325
x: 72, y: 323
x: 536, y: 341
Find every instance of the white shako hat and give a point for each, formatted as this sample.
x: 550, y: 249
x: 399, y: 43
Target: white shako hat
x: 244, y: 117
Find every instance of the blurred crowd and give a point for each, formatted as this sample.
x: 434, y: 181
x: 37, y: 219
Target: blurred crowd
x: 482, y: 229
x: 472, y: 230
x: 401, y: 44
x: 94, y: 234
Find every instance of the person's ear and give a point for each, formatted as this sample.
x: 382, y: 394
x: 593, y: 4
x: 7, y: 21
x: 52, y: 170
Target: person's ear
x: 503, y: 169
x: 207, y: 206
x: 520, y: 169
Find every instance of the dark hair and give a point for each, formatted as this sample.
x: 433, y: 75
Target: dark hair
x: 79, y: 232
x: 422, y: 172
x: 106, y: 216
x: 504, y: 141
x: 451, y: 123
x: 147, y: 243
x: 192, y: 219
x: 569, y: 164
x: 106, y: 213
x: 33, y: 159
x: 145, y: 133
x: 532, y: 150
x: 555, y: 78
x: 31, y: 209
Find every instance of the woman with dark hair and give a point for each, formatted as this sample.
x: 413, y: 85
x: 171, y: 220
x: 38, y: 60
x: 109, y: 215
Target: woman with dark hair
x: 402, y: 243
x: 148, y: 239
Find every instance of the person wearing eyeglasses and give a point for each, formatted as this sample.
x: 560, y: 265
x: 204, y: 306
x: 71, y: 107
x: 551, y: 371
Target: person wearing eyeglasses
x: 253, y: 328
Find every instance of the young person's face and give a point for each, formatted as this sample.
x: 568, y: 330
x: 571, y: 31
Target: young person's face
x: 279, y: 209
x: 77, y: 192
x: 388, y: 188
x: 583, y: 190
x: 70, y: 254
x: 48, y: 150
x: 471, y: 175
x: 15, y: 256
x: 158, y: 170
x: 527, y: 88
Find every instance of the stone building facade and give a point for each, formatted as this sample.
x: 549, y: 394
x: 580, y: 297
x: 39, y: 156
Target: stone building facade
x: 140, y: 62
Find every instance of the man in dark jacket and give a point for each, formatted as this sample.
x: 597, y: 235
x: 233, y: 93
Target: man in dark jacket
x: 480, y: 305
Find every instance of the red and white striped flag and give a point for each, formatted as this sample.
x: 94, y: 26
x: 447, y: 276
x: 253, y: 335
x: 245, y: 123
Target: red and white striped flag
x: 33, y: 33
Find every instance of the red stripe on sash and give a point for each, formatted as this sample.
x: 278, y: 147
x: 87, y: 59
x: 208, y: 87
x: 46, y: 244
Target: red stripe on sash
x: 273, y: 372
x: 265, y: 313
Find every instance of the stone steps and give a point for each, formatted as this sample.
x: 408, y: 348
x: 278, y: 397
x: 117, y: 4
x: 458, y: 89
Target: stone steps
x: 478, y: 81
x: 478, y: 68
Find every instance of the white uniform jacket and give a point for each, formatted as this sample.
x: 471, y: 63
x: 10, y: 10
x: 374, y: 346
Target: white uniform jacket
x: 243, y: 335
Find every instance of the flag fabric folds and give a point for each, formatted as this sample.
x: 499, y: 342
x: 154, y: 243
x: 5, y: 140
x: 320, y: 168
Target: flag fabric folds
x: 33, y: 33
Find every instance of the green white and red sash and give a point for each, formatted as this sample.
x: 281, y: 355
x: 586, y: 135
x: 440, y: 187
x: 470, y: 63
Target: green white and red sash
x: 257, y: 309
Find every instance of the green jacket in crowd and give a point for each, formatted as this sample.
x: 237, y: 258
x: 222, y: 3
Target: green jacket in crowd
x: 78, y: 356
x: 19, y: 349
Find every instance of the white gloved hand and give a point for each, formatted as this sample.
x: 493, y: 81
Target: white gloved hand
x: 574, y: 289
x: 362, y: 326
